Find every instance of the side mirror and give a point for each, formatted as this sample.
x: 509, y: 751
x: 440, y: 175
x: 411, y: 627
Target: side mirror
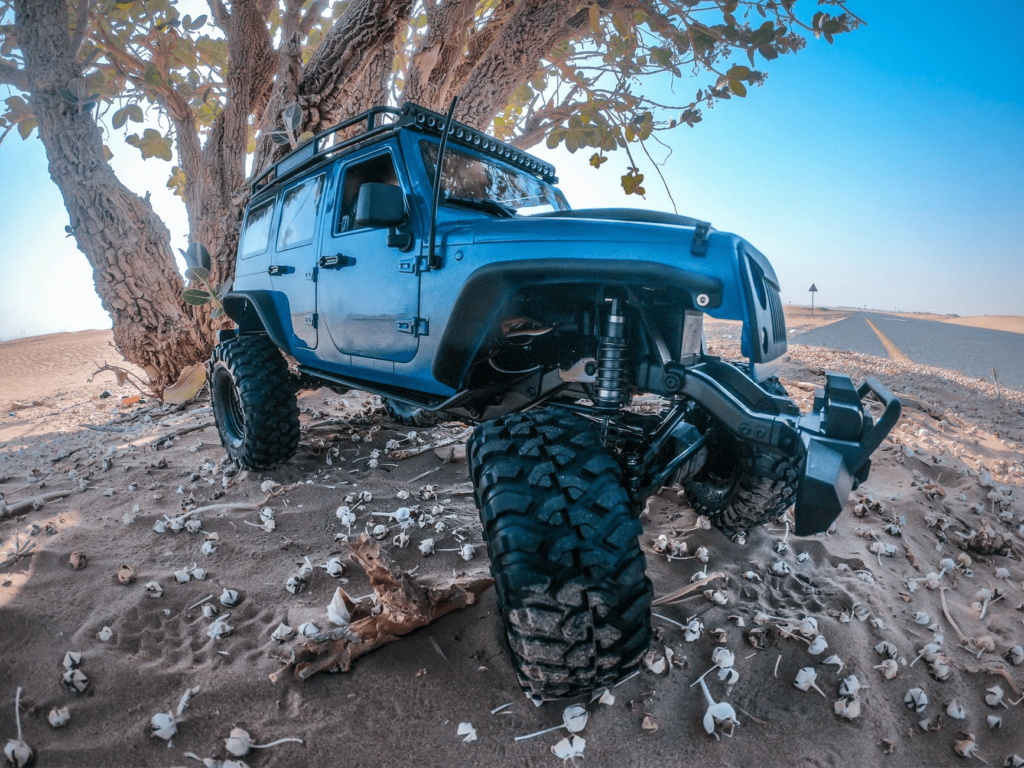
x: 380, y: 205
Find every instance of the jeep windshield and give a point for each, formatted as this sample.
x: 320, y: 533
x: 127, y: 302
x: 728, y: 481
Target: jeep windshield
x: 490, y: 186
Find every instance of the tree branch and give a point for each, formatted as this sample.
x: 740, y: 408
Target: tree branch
x: 81, y: 25
x: 11, y: 74
x: 220, y: 14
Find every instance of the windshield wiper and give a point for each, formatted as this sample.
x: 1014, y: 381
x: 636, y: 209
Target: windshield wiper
x: 481, y: 205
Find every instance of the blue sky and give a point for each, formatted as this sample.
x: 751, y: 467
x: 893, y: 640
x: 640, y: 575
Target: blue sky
x: 887, y: 169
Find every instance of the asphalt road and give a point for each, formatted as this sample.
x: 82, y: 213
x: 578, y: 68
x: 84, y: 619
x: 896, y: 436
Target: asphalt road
x: 973, y: 351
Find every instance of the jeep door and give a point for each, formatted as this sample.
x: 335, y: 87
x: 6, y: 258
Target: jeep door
x: 367, y: 292
x: 292, y: 271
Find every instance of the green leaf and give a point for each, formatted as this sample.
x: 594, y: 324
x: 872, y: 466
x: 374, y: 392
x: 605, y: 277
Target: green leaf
x: 738, y: 88
x: 135, y: 113
x: 197, y: 273
x: 197, y: 256
x: 107, y: 154
x: 292, y: 116
x: 152, y: 144
x: 196, y: 297
x: 595, y: 19
x: 199, y: 21
x: 217, y: 312
x: 279, y: 135
x: 596, y: 160
x: 738, y: 72
x: 305, y: 136
x: 120, y: 118
x: 152, y: 75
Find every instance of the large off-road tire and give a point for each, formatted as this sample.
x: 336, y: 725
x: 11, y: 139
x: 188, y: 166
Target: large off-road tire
x: 569, y: 573
x: 254, y: 402
x: 409, y: 415
x: 742, y: 486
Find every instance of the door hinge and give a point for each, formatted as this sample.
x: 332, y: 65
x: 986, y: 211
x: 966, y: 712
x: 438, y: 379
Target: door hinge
x: 417, y: 326
x: 409, y: 265
x: 312, y: 319
x: 312, y: 275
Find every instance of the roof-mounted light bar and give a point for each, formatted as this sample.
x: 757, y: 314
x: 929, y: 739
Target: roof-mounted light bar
x: 313, y: 151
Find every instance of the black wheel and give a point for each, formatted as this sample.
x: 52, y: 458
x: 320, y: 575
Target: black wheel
x: 569, y: 573
x: 254, y: 402
x: 742, y: 486
x: 409, y: 415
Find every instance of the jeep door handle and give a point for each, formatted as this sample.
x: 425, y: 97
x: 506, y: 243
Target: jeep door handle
x: 337, y: 261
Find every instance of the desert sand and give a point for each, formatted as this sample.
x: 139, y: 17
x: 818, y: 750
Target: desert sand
x: 1009, y: 323
x: 945, y: 486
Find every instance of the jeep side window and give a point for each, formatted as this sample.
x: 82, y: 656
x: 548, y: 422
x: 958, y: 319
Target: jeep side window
x: 298, y: 213
x: 379, y: 170
x: 256, y: 236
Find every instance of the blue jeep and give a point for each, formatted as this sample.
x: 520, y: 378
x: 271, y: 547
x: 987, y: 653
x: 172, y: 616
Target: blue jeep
x: 405, y: 254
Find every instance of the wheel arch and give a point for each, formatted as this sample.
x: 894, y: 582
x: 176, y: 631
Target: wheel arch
x: 485, y: 297
x: 259, y: 312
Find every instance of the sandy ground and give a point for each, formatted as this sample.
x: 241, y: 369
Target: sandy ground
x: 796, y: 316
x: 1010, y: 323
x: 946, y: 484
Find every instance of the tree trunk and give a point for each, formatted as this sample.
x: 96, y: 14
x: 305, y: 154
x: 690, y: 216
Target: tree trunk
x: 126, y: 243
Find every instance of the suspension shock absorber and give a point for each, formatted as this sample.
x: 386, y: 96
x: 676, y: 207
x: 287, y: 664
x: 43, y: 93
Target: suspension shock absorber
x: 610, y: 390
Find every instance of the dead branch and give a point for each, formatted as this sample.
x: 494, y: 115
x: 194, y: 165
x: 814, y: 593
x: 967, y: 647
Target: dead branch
x: 123, y: 377
x: 175, y: 433
x: 431, y: 446
x: 36, y: 502
x: 679, y: 594
x: 403, y: 604
x: 20, y: 550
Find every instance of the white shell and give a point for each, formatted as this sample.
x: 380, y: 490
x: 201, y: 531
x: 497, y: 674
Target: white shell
x: 59, y: 717
x: 72, y: 660
x: 849, y: 686
x: 723, y: 657
x: 994, y: 722
x: 105, y: 634
x: 401, y: 540
x: 282, y: 633
x: 569, y: 749
x: 808, y: 626
x: 805, y: 678
x: 922, y: 618
x: 238, y: 742
x: 467, y: 731
x: 337, y: 611
x: 994, y: 696
x: 887, y: 649
x: 916, y: 699
x: 208, y: 548
x: 210, y: 610
x: 197, y: 573
x: 219, y: 628
x: 335, y: 568
x: 229, y: 597
x: 956, y: 709
x: 848, y: 708
x: 194, y: 525
x: 833, y: 659
x: 780, y: 568
x: 154, y: 589
x: 693, y: 630
x: 1015, y: 655
x: 308, y: 629
x: 181, y: 576
x: 889, y: 668
x: 817, y: 646
x: 427, y: 546
x: 575, y: 718
x: 467, y: 552
x: 163, y: 725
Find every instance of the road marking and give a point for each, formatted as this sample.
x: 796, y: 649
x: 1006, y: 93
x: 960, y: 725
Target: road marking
x: 893, y: 351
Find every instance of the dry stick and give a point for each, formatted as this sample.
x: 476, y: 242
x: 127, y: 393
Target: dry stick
x: 406, y: 604
x: 176, y: 433
x: 13, y: 509
x: 945, y: 611
x: 431, y: 446
x: 681, y: 593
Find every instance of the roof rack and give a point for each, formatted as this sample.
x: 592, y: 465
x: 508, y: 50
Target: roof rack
x: 325, y: 144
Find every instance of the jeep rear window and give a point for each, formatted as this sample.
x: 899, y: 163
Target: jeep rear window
x: 256, y: 236
x: 470, y: 177
x: 298, y: 213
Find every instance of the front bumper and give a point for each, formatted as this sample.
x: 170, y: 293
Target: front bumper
x: 834, y: 442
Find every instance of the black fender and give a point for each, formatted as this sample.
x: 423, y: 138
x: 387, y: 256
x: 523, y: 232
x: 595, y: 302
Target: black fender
x: 481, y: 302
x: 259, y: 312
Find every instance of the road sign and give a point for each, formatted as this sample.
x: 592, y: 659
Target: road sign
x: 813, y: 290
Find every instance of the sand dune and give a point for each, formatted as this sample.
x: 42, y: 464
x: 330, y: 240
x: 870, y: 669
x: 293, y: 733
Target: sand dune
x: 937, y: 479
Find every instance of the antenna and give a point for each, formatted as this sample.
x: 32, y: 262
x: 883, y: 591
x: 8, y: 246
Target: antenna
x: 433, y: 262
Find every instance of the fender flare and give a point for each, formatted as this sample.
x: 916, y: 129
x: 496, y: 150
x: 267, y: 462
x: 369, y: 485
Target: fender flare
x: 482, y: 300
x: 259, y: 312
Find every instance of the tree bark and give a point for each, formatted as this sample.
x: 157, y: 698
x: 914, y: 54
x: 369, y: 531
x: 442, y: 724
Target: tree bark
x: 126, y: 243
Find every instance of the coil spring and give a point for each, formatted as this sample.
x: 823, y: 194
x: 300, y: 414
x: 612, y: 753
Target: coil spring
x: 610, y: 391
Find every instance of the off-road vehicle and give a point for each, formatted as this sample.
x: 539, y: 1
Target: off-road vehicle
x: 408, y: 255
